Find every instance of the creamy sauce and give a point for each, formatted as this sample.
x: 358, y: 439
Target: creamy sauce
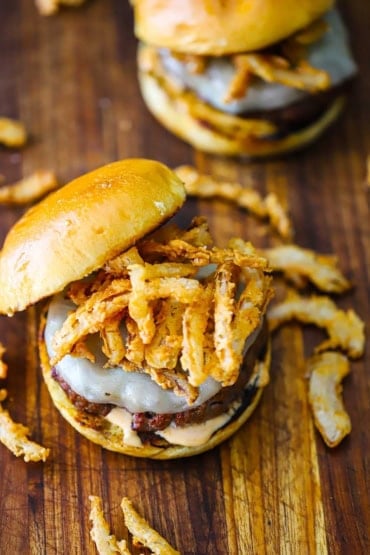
x: 122, y: 418
x: 194, y: 434
x: 331, y: 53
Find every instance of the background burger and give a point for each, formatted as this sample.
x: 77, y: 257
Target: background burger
x: 152, y: 341
x: 240, y: 77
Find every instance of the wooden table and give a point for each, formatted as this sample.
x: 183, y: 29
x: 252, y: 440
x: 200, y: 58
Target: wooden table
x: 275, y: 487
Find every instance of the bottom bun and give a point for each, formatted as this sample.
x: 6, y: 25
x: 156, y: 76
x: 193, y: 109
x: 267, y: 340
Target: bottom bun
x: 213, y: 131
x: 110, y: 436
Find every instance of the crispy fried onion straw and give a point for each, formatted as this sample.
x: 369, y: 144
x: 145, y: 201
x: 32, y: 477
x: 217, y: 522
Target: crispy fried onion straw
x: 206, y: 186
x: 300, y: 265
x: 29, y: 188
x: 326, y: 371
x: 289, y: 68
x: 14, y: 437
x: 174, y: 298
x: 345, y: 328
x: 106, y: 543
x: 142, y: 534
x: 275, y: 69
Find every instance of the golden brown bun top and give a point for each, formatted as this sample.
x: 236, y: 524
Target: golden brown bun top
x: 75, y: 230
x: 218, y: 27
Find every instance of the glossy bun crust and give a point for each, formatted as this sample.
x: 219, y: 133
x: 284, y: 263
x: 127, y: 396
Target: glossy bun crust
x: 218, y: 27
x: 210, y: 130
x: 75, y: 230
x: 99, y: 430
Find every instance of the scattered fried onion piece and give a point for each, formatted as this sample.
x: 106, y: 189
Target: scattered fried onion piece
x: 345, y: 329
x: 297, y: 263
x: 14, y: 437
x: 206, y: 186
x: 49, y: 7
x: 29, y: 188
x: 278, y: 216
x: 12, y: 133
x: 3, y: 365
x: 326, y: 373
x: 143, y: 533
x: 106, y: 543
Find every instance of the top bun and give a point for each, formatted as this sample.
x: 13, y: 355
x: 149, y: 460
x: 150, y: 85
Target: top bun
x: 219, y: 27
x: 75, y: 230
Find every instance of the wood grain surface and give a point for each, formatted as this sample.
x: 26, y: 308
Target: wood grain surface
x: 275, y: 487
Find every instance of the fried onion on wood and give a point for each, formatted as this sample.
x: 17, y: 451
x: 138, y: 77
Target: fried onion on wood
x: 12, y: 133
x: 15, y: 437
x: 326, y: 372
x: 345, y: 328
x: 143, y: 533
x: 29, y: 189
x: 206, y: 186
x: 297, y: 263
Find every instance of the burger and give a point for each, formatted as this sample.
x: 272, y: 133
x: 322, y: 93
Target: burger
x: 152, y: 340
x: 243, y: 77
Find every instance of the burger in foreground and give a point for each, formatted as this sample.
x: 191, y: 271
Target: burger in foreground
x: 241, y: 77
x: 153, y: 343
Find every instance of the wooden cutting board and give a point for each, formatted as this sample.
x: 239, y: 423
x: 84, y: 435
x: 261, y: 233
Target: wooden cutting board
x: 275, y: 487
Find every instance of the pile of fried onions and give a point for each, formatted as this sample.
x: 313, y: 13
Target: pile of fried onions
x: 186, y: 308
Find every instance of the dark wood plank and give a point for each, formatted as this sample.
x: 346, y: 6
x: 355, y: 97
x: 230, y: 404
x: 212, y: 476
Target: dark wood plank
x: 273, y: 488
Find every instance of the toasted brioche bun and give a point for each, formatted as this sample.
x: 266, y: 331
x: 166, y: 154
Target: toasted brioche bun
x: 110, y: 436
x: 75, y: 230
x: 210, y: 130
x: 217, y: 28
